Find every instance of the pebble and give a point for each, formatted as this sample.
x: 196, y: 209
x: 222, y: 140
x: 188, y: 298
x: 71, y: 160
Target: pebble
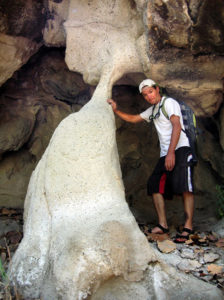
x: 188, y: 253
x: 210, y: 257
x: 166, y: 246
x: 215, y: 269
x: 188, y: 265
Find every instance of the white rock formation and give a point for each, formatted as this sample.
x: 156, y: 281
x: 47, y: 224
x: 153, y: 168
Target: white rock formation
x: 80, y: 238
x: 105, y: 34
x: 78, y: 229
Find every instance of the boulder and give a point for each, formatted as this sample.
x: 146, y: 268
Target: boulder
x: 21, y: 23
x: 15, y: 131
x: 14, y: 52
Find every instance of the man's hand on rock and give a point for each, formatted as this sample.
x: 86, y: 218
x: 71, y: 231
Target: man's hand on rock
x: 112, y: 103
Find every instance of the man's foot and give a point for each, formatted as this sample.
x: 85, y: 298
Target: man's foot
x: 184, y: 236
x: 159, y: 229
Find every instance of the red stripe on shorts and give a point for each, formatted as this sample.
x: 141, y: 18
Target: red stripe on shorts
x: 162, y: 183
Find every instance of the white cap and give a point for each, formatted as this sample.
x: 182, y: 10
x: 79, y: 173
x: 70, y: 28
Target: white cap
x: 146, y: 82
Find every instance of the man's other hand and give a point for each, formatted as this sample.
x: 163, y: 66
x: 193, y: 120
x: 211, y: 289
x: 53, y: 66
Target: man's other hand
x: 170, y: 161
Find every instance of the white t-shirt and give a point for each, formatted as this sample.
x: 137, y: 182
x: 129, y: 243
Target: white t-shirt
x: 164, y: 126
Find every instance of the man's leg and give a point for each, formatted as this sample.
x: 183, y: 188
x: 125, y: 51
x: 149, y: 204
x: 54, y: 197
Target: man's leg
x: 159, y: 204
x: 182, y: 180
x: 188, y: 198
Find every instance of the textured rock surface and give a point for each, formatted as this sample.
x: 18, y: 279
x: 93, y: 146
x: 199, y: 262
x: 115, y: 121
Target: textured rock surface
x: 219, y: 227
x: 110, y: 42
x: 54, y: 32
x: 81, y: 189
x: 14, y: 52
x: 21, y: 23
x: 160, y: 283
x: 180, y: 47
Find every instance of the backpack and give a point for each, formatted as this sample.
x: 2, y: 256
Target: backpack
x: 189, y: 121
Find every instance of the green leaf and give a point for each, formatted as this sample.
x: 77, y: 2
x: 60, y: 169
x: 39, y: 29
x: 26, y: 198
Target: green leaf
x: 2, y: 271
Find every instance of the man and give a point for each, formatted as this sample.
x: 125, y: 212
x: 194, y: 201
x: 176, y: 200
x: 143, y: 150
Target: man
x: 173, y: 172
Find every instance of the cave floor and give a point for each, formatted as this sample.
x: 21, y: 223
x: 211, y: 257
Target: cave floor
x: 201, y: 256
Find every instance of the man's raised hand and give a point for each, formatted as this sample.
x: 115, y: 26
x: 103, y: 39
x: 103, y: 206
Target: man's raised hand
x: 112, y: 103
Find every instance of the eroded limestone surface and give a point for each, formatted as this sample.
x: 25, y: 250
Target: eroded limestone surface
x: 78, y: 228
x: 105, y: 34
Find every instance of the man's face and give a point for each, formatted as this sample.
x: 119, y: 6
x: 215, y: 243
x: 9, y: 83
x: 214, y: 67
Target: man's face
x: 151, y: 94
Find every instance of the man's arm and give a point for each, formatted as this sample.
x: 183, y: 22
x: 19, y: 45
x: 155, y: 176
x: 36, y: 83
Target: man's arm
x: 124, y: 116
x: 170, y: 157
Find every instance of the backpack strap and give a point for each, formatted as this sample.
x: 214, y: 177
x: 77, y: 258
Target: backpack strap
x: 166, y: 114
x: 163, y: 108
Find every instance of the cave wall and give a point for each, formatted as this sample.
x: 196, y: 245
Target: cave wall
x: 185, y: 55
x: 21, y: 24
x: 186, y: 50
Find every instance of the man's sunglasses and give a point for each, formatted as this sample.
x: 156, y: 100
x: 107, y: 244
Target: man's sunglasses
x: 156, y: 116
x: 152, y: 117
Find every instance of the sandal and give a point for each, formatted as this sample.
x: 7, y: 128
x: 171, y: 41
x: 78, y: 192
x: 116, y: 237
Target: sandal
x: 164, y: 230
x: 180, y: 238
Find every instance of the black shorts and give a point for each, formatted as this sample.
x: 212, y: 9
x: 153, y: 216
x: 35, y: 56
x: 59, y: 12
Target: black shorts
x: 177, y: 181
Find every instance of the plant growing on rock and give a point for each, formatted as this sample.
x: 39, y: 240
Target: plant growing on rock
x: 220, y: 200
